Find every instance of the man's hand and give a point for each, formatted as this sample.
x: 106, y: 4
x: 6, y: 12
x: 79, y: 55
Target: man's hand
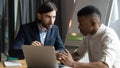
x: 66, y: 58
x: 37, y: 43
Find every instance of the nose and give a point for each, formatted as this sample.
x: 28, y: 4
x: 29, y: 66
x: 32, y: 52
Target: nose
x: 51, y: 20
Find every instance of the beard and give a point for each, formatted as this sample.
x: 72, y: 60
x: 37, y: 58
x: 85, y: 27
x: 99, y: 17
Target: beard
x: 47, y: 26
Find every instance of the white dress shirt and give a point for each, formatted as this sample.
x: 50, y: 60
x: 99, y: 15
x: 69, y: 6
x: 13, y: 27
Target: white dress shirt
x: 43, y: 36
x: 103, y: 46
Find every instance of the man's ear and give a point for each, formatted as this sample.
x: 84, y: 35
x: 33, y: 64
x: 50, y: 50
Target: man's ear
x: 38, y: 15
x: 94, y: 21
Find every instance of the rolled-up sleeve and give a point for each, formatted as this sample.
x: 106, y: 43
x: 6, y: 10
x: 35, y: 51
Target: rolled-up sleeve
x: 109, y: 51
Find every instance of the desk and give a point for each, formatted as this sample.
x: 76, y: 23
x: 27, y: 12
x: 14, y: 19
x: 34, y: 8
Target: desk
x: 24, y: 65
x: 23, y: 62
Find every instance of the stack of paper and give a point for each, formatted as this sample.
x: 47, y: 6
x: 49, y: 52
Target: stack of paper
x: 12, y: 63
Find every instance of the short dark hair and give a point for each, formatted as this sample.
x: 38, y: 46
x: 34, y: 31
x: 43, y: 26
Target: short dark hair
x: 88, y: 10
x: 46, y: 7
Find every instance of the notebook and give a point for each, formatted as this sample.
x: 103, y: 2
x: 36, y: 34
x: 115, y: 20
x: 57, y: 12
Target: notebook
x: 40, y: 56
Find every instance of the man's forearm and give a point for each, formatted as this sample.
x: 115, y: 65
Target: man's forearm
x: 89, y: 65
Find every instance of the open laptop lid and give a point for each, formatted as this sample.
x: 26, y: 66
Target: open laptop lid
x: 40, y: 56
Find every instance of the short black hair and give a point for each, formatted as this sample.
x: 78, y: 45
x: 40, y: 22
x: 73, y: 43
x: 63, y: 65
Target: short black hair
x: 88, y: 10
x: 46, y: 7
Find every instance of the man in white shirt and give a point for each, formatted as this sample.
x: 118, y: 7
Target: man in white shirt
x: 101, y: 43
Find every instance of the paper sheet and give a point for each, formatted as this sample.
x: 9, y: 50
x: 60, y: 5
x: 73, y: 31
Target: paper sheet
x: 12, y: 63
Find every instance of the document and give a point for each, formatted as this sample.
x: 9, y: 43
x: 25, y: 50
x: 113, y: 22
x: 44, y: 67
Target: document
x: 12, y: 63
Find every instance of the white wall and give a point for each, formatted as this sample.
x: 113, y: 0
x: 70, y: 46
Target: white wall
x: 116, y: 25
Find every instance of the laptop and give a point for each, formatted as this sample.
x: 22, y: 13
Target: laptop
x: 40, y: 56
